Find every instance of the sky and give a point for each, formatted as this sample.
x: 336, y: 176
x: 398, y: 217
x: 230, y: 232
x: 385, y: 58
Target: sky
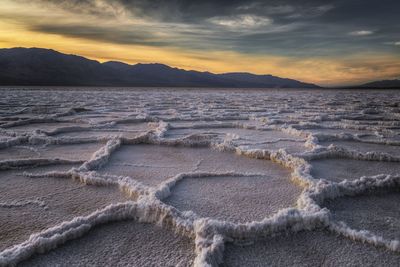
x: 330, y: 43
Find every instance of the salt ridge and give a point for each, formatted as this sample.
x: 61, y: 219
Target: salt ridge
x: 209, y: 234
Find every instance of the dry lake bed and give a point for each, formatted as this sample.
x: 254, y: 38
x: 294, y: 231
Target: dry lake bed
x: 199, y: 177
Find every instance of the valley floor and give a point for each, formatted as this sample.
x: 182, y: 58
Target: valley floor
x: 179, y: 177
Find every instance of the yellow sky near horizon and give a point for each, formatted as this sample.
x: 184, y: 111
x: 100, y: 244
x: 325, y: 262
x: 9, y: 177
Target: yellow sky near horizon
x: 325, y: 71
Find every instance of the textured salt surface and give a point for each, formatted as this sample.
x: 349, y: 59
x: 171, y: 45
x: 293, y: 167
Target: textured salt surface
x: 316, y: 248
x: 70, y: 152
x: 366, y: 147
x: 125, y: 243
x: 339, y: 130
x: 168, y: 177
x: 42, y: 126
x: 378, y: 213
x: 35, y: 204
x: 128, y: 130
x: 340, y: 169
x: 152, y: 164
x: 238, y: 199
x: 261, y: 138
x: 294, y: 147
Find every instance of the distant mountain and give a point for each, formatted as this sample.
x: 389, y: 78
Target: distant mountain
x: 41, y: 67
x: 384, y: 84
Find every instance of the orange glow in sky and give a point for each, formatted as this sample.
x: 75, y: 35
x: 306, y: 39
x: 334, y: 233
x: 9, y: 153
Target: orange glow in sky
x: 114, y: 34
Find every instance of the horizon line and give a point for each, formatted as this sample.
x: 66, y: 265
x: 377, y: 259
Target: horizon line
x: 344, y: 86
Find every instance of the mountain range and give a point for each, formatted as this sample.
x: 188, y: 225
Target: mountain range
x: 387, y: 84
x: 46, y: 67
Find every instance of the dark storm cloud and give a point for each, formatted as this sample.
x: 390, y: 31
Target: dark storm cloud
x: 291, y: 27
x: 105, y: 34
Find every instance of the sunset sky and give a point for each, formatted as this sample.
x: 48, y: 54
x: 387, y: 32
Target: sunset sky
x: 324, y: 42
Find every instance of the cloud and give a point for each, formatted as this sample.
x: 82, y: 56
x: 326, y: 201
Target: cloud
x: 122, y: 35
x: 106, y: 9
x: 244, y: 21
x: 392, y: 43
x: 309, y: 12
x: 361, y: 33
x: 268, y: 9
x: 281, y: 27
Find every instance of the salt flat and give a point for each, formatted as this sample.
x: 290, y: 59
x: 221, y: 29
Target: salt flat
x: 185, y: 177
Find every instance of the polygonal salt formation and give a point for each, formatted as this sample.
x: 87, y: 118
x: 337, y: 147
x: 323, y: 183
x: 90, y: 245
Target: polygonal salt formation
x: 366, y: 147
x: 125, y: 243
x: 316, y: 248
x: 250, y: 138
x: 237, y: 199
x: 47, y: 126
x: 151, y: 164
x: 128, y: 130
x: 377, y: 212
x: 337, y: 169
x: 30, y: 205
x: 69, y: 152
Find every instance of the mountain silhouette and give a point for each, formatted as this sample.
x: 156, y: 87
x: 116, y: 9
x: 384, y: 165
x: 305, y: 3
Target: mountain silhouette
x: 384, y: 84
x: 46, y: 67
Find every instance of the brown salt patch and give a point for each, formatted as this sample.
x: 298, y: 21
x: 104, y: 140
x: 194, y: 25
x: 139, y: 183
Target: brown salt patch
x: 317, y: 248
x: 340, y: 169
x: 48, y: 126
x: 125, y: 243
x: 366, y: 147
x: 378, y: 212
x: 152, y: 164
x: 69, y: 152
x: 237, y: 199
x: 62, y: 200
